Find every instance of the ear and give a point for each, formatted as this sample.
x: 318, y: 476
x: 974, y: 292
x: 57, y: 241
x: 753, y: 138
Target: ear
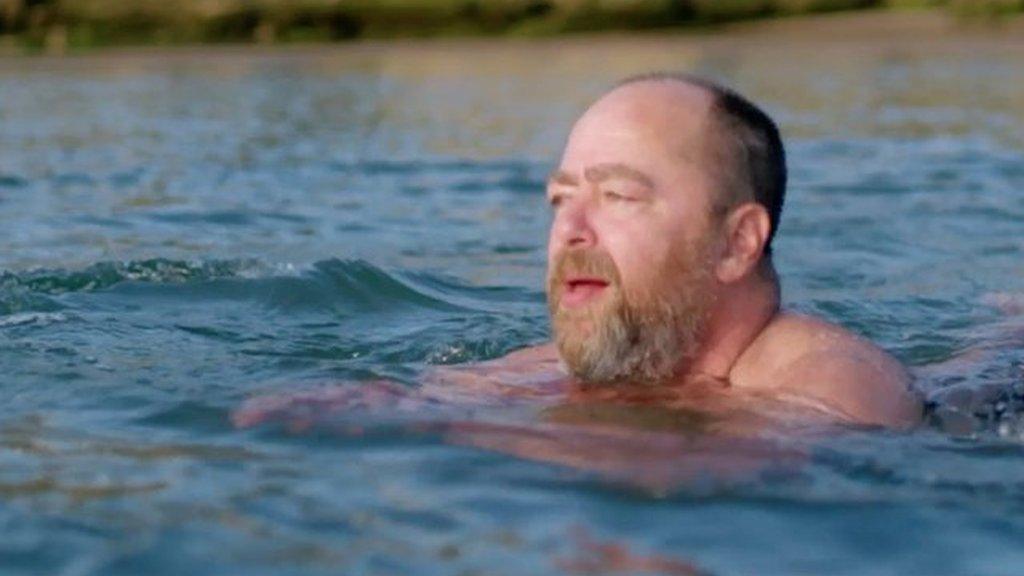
x: 745, y: 230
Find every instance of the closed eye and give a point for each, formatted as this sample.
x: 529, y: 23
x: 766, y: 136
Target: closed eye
x: 616, y: 196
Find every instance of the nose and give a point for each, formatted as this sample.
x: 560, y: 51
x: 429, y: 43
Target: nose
x: 572, y: 227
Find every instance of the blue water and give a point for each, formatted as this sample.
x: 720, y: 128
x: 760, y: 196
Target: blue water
x: 185, y: 231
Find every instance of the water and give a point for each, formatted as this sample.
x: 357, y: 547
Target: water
x: 183, y: 232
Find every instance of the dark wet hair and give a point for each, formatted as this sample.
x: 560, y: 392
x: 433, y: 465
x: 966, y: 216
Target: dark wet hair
x: 752, y: 150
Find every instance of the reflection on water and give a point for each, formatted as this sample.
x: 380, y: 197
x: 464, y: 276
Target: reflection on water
x: 187, y: 230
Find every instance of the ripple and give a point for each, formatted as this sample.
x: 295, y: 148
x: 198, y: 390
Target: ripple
x: 34, y: 436
x: 12, y: 181
x: 33, y: 318
x: 222, y: 217
x: 106, y: 274
x: 77, y: 493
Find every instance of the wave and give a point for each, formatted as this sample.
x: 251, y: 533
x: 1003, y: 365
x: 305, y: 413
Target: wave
x: 34, y: 290
x: 106, y: 274
x: 333, y: 285
x: 468, y: 175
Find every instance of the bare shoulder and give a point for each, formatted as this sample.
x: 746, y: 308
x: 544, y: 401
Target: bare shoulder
x: 813, y: 361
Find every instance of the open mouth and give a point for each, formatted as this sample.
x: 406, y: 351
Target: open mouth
x: 582, y: 290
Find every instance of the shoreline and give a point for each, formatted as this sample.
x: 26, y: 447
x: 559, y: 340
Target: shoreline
x: 869, y: 25
x: 932, y: 26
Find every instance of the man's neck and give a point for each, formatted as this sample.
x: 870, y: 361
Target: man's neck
x: 737, y: 318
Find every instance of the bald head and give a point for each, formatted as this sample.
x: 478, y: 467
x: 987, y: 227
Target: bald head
x: 674, y: 115
x: 661, y: 104
x: 704, y: 122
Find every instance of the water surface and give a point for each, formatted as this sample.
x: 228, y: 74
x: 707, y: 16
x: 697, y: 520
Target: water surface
x: 183, y: 231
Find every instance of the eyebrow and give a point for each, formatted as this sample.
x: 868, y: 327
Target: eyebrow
x: 601, y: 172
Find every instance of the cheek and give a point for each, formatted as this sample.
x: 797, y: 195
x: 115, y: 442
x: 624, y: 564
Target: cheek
x: 648, y: 250
x: 639, y: 254
x: 552, y: 258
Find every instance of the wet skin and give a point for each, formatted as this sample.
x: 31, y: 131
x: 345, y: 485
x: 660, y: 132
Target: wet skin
x: 636, y: 181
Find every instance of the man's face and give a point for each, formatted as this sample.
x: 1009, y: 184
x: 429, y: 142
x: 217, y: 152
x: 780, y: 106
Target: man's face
x: 631, y: 241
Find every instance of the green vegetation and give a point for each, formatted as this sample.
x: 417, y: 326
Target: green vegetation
x: 83, y: 23
x: 986, y: 8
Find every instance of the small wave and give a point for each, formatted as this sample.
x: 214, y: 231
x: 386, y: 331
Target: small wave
x: 12, y: 181
x: 334, y: 286
x: 364, y: 285
x: 36, y: 318
x: 14, y: 301
x: 400, y: 167
x: 34, y: 291
x: 978, y: 408
x: 461, y: 175
x: 106, y: 274
x: 493, y: 298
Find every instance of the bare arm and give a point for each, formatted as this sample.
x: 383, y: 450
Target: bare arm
x: 526, y: 373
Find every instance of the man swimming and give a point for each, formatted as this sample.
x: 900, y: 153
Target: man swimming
x: 665, y: 204
x: 661, y: 289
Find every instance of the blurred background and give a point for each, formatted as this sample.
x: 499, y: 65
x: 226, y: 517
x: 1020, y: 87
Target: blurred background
x: 61, y: 24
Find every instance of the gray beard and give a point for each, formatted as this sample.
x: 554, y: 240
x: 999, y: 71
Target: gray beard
x: 626, y: 342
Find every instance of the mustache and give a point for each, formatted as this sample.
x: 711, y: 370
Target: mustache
x: 592, y: 263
